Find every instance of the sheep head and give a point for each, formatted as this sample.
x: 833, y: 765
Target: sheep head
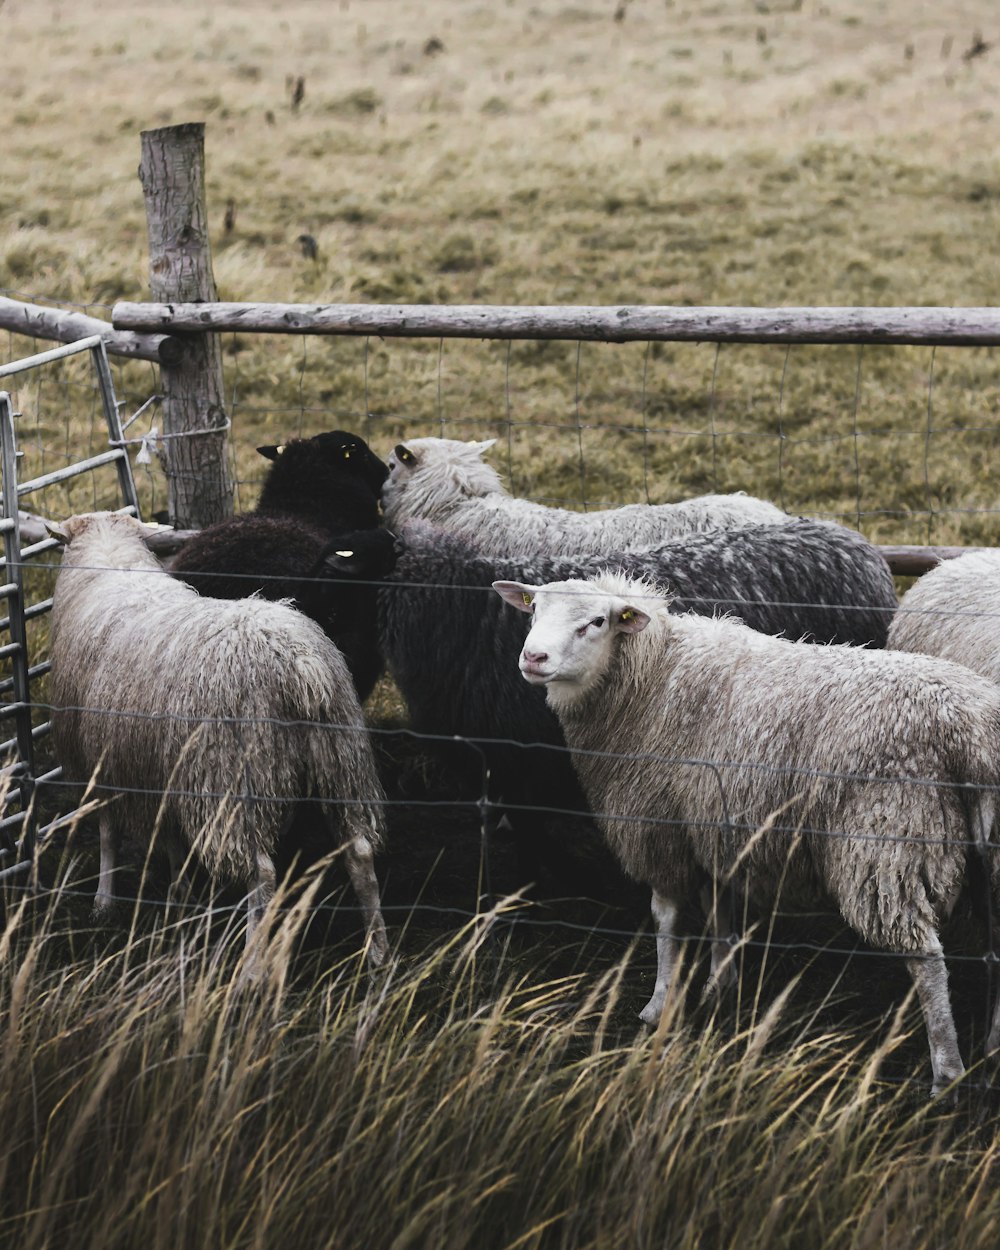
x: 574, y: 630
x: 86, y: 522
x: 428, y: 476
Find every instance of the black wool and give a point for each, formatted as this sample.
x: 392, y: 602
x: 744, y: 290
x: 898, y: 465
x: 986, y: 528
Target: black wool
x: 452, y: 645
x: 314, y: 538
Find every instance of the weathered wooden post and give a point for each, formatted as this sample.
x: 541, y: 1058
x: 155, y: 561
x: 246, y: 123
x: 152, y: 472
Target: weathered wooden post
x: 194, y: 455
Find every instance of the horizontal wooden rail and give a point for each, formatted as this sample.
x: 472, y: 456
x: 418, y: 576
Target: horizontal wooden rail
x: 34, y: 321
x: 904, y: 561
x: 941, y: 326
x: 915, y: 561
x: 162, y: 542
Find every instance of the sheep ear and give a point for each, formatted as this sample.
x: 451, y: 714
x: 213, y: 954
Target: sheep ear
x: 345, y: 560
x: 64, y: 532
x: 58, y: 532
x: 364, y: 553
x: 631, y: 620
x: 517, y: 594
x: 405, y: 456
x: 484, y: 446
x: 271, y: 452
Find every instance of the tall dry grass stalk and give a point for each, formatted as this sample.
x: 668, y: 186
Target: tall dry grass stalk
x: 457, y: 1100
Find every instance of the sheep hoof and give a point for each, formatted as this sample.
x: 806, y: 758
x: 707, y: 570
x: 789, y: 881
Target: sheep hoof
x: 944, y: 1087
x: 650, y: 1014
x: 251, y: 978
x: 379, y: 957
x: 716, y: 990
x: 385, y: 969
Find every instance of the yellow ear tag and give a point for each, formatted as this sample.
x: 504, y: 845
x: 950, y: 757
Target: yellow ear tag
x: 279, y: 450
x: 347, y: 455
x: 627, y: 615
x: 406, y: 455
x: 527, y: 600
x: 346, y: 554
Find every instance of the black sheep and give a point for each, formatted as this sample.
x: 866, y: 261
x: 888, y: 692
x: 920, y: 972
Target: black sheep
x: 452, y: 647
x: 313, y: 538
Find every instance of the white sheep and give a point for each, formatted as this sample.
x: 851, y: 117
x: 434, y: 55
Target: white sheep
x: 446, y: 481
x: 207, y: 720
x: 954, y: 612
x: 838, y: 774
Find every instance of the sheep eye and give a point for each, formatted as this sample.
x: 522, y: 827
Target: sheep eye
x: 597, y: 622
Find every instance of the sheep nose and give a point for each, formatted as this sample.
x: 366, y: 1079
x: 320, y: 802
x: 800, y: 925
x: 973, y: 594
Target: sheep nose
x: 535, y: 657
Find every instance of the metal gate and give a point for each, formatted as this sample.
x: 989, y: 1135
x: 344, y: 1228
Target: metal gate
x: 18, y: 820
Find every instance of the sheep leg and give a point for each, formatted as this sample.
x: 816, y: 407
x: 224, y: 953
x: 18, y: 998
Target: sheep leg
x: 987, y: 834
x: 104, y: 898
x: 930, y: 977
x: 360, y: 860
x: 722, y: 973
x: 176, y: 859
x: 257, y: 901
x: 664, y: 914
x: 993, y: 1041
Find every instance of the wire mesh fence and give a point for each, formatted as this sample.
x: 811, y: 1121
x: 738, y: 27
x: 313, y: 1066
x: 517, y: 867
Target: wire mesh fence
x: 897, y: 441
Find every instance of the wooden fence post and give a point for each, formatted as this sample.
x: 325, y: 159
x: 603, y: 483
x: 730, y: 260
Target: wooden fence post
x: 172, y: 172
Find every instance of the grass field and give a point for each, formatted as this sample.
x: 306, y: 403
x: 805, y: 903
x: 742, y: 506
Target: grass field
x: 493, y: 1090
x: 724, y: 153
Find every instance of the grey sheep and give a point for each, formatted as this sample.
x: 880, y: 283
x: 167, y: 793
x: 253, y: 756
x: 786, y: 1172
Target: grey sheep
x: 446, y: 481
x: 954, y: 612
x: 810, y: 774
x: 248, y: 710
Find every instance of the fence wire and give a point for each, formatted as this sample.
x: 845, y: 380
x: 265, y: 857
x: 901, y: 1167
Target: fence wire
x: 900, y: 442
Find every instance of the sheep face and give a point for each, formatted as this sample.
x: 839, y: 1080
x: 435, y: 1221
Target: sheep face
x: 575, y: 627
x: 425, y: 473
x: 348, y: 451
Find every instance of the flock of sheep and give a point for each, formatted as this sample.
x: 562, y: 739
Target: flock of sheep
x: 668, y: 646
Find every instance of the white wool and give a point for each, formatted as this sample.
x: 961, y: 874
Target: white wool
x: 954, y: 612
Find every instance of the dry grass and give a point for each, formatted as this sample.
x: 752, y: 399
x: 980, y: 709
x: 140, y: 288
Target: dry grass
x: 467, y: 1098
x: 492, y: 1091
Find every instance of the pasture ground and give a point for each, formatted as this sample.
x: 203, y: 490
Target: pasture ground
x: 495, y: 1090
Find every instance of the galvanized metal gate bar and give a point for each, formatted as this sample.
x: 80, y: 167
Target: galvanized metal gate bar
x: 116, y: 436
x: 20, y: 772
x: 22, y: 769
